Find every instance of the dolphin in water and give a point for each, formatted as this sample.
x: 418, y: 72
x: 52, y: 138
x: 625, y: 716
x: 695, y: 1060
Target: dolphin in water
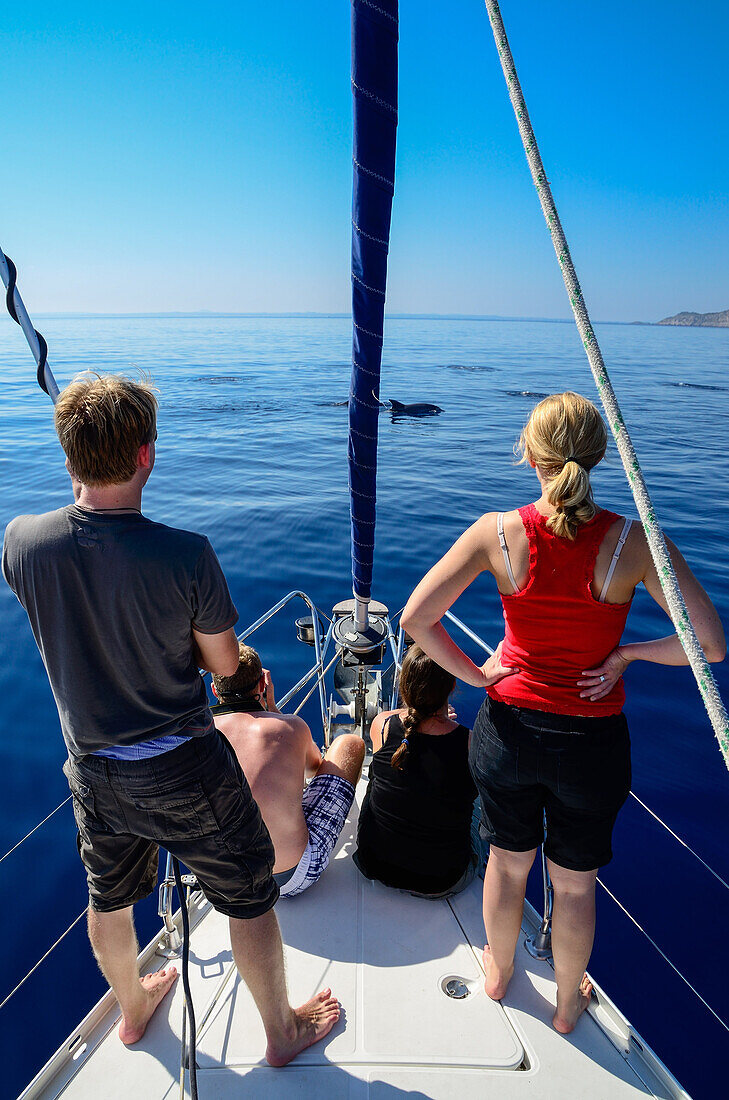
x: 397, y: 408
x: 418, y: 409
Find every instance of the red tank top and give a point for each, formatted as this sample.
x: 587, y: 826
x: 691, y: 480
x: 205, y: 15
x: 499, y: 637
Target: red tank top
x: 555, y: 628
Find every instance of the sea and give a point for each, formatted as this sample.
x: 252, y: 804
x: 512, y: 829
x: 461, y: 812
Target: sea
x: 252, y: 451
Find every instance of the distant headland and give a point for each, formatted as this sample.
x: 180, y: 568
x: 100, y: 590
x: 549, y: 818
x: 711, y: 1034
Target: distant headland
x: 704, y: 320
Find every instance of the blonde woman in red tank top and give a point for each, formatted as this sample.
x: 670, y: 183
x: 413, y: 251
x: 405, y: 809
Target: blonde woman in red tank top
x: 550, y: 739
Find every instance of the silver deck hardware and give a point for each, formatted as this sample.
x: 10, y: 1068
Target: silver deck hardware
x: 455, y: 988
x: 539, y: 944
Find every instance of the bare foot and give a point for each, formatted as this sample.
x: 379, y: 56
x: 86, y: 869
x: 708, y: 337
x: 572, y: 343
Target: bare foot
x: 564, y: 1021
x: 155, y: 987
x: 497, y: 981
x: 312, y: 1022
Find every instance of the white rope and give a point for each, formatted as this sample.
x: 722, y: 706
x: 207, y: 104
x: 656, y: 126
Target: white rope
x: 43, y: 958
x: 50, y: 815
x: 664, y: 956
x: 680, y: 841
x: 664, y: 568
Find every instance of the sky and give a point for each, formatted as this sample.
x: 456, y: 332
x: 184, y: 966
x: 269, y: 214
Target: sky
x: 181, y: 156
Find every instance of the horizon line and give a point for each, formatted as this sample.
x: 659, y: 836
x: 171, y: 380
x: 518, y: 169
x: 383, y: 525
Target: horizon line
x: 301, y: 314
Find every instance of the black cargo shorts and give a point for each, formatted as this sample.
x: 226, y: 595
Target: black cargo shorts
x: 530, y: 764
x: 196, y: 803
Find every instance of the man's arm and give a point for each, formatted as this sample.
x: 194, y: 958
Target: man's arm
x: 270, y: 693
x: 216, y: 653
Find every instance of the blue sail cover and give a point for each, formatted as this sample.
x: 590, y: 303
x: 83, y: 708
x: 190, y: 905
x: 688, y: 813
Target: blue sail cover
x: 374, y: 92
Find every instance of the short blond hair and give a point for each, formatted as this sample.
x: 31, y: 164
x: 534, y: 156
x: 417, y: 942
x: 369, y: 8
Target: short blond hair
x: 245, y: 678
x: 565, y: 436
x: 102, y: 420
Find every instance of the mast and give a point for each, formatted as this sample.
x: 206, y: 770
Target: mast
x: 374, y: 94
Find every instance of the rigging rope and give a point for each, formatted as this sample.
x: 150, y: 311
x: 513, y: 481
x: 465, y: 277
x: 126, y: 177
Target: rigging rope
x: 192, y: 1045
x: 18, y: 312
x: 664, y: 567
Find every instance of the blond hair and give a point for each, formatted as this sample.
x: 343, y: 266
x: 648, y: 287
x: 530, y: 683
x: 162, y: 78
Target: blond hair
x: 565, y: 436
x: 245, y: 677
x: 102, y: 420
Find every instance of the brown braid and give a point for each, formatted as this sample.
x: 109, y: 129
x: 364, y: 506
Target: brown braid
x: 424, y: 688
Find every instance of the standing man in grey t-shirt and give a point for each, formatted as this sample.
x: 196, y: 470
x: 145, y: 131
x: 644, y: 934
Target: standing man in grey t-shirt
x: 124, y: 611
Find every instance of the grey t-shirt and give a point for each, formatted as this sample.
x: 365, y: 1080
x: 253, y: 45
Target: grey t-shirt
x: 112, y: 599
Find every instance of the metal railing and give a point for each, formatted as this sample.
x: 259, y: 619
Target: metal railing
x: 319, y: 650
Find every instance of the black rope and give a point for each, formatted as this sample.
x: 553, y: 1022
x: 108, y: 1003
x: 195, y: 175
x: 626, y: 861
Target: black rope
x: 192, y: 1055
x: 42, y: 345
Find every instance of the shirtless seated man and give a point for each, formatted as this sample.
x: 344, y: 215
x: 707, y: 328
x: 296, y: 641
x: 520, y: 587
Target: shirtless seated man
x: 277, y: 752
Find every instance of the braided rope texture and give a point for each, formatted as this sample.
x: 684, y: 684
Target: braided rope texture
x: 666, y: 573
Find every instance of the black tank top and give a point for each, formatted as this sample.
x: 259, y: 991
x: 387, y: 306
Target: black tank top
x: 415, y: 824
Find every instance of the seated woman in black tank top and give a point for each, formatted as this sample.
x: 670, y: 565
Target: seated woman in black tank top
x: 415, y: 824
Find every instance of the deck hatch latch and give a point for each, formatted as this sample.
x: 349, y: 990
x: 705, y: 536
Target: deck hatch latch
x: 455, y: 988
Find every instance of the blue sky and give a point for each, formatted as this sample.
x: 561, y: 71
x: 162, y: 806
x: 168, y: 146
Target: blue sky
x: 179, y: 156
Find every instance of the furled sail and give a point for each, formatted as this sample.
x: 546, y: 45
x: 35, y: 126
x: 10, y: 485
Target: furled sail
x: 374, y: 92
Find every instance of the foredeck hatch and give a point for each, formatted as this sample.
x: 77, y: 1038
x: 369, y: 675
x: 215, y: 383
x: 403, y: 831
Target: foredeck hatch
x: 385, y: 955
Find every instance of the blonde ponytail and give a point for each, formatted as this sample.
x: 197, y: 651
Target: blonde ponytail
x: 565, y: 436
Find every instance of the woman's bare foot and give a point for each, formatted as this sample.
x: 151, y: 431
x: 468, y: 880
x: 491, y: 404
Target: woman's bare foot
x: 155, y: 987
x: 564, y: 1020
x: 497, y: 981
x: 312, y: 1022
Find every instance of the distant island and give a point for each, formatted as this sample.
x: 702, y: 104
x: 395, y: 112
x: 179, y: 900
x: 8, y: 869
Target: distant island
x: 705, y: 320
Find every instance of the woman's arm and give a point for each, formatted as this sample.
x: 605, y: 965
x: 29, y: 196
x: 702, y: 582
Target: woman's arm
x: 668, y: 650
x: 435, y: 594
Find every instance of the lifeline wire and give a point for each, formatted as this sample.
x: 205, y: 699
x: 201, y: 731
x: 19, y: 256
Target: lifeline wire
x: 35, y: 829
x: 664, y: 956
x: 688, y: 847
x: 43, y: 958
x: 664, y: 568
x: 36, y: 342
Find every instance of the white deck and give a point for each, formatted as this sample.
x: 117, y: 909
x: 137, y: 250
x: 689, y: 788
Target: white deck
x: 385, y: 955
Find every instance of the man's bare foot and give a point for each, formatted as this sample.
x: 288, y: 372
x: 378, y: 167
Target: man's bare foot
x: 312, y: 1022
x: 155, y: 987
x: 564, y: 1020
x: 497, y: 981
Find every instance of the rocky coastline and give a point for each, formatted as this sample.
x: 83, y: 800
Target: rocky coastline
x: 702, y: 320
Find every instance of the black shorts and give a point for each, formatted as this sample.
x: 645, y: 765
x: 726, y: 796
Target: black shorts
x: 576, y: 771
x: 196, y: 803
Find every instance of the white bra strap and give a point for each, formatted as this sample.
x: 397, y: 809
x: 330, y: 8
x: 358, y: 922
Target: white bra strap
x: 505, y: 550
x: 618, y: 551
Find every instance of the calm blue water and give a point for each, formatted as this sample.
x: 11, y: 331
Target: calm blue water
x: 252, y: 452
